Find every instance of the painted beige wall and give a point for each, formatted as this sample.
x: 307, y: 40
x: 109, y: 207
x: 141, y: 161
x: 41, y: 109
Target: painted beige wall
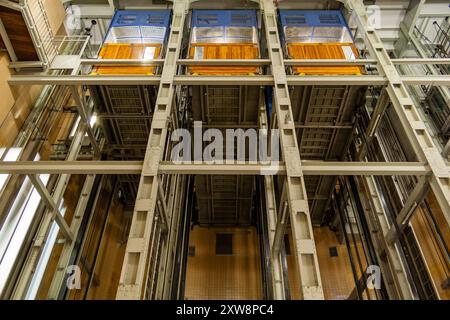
x: 218, y: 277
x: 55, y: 13
x: 17, y: 101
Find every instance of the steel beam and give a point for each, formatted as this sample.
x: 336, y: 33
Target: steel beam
x: 224, y: 80
x: 281, y: 226
x: 310, y: 167
x: 71, y: 167
x: 220, y: 169
x: 64, y: 258
x: 446, y: 150
x: 440, y: 61
x: 7, y: 42
x: 328, y: 62
x: 83, y: 113
x: 26, y: 64
x: 378, y: 223
x: 409, y: 208
x: 258, y: 62
x: 408, y: 24
x: 277, y: 279
x: 320, y: 168
x: 76, y: 80
x: 430, y: 80
x: 163, y: 208
x: 374, y: 80
x: 223, y: 62
x: 420, y: 50
x: 413, y: 126
x: 52, y: 206
x: 122, y: 62
x: 365, y: 168
x: 10, y: 5
x: 375, y: 120
x: 307, y: 263
x: 195, y: 80
x: 137, y: 269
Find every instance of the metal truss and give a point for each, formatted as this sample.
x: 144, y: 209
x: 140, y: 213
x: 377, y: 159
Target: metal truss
x: 135, y: 270
x: 152, y: 208
x: 410, y: 119
x: 307, y: 263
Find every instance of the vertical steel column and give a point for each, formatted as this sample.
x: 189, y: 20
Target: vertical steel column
x: 399, y: 287
x: 410, y: 119
x: 302, y: 231
x: 174, y: 212
x: 271, y: 216
x: 135, y: 267
x: 408, y: 24
x: 60, y: 273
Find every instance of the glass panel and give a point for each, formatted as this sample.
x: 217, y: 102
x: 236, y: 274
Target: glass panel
x: 208, y: 35
x: 298, y: 34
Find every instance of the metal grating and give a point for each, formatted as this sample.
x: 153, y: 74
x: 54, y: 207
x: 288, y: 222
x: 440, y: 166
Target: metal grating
x: 225, y: 200
x: 326, y: 115
x: 125, y: 113
x: 329, y: 18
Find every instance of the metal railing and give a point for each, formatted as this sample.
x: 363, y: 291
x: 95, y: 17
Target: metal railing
x: 36, y: 18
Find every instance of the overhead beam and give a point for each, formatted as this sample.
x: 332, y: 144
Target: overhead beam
x: 260, y: 62
x: 223, y: 62
x: 83, y: 80
x: 430, y: 80
x: 319, y: 168
x: 441, y: 61
x: 313, y: 168
x: 328, y: 62
x: 122, y: 62
x: 374, y: 80
x: 224, y: 80
x: 71, y: 167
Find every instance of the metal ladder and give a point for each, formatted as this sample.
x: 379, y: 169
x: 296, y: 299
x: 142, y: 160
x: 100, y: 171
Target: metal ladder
x: 41, y: 31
